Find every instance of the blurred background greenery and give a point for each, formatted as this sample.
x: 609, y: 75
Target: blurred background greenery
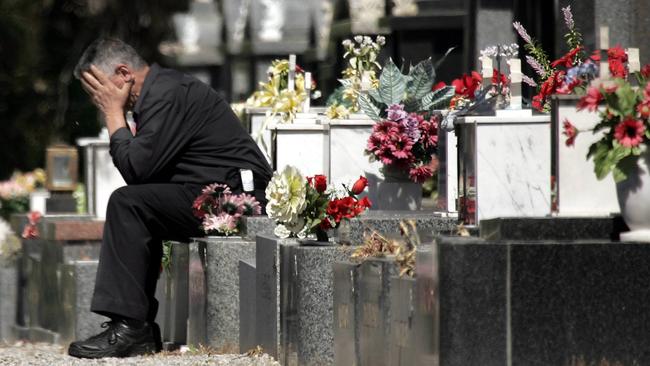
x: 40, y: 43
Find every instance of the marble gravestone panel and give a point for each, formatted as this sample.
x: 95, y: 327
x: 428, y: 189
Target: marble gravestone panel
x: 505, y: 167
x: 304, y: 146
x: 223, y: 256
x: 260, y: 128
x: 247, y: 306
x: 402, y: 301
x: 78, y: 284
x: 447, y: 171
x: 176, y: 296
x: 101, y: 176
x: 347, y: 161
x: 375, y: 311
x: 197, y: 295
x: 9, y: 299
x: 576, y: 185
x: 346, y: 313
x: 311, y: 304
x: 257, y: 225
x: 236, y: 13
x: 280, y: 26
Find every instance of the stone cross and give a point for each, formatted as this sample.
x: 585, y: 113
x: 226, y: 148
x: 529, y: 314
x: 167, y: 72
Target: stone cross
x: 306, y: 104
x: 486, y: 70
x: 515, y: 83
x: 633, y: 63
x: 603, y: 45
x: 291, y: 82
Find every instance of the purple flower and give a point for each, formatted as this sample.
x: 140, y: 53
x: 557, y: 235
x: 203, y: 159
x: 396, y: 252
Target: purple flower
x: 536, y: 66
x: 528, y: 80
x: 522, y: 32
x: 568, y: 17
x: 412, y: 126
x: 396, y: 112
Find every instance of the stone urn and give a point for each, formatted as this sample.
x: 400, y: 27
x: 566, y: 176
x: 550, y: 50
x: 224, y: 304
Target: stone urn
x: 397, y: 192
x: 633, y: 197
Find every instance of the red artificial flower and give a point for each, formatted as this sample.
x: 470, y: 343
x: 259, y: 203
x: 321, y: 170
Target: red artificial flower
x: 359, y: 185
x: 320, y: 183
x: 644, y: 108
x: 616, y: 53
x: 590, y: 100
x: 549, y: 87
x: 420, y: 173
x: 438, y: 86
x: 498, y: 78
x: 34, y: 217
x: 30, y: 232
x: 645, y: 71
x: 199, y: 202
x: 537, y: 102
x: 365, y: 202
x: 595, y: 56
x: 629, y: 132
x: 617, y: 69
x: 466, y: 85
x: 568, y: 59
x: 617, y: 58
x: 570, y: 131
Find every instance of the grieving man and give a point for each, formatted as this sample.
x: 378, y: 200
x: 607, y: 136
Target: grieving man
x: 186, y: 136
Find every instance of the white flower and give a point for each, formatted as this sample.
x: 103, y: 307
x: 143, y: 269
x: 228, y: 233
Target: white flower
x: 358, y: 39
x: 281, y: 231
x: 381, y: 40
x: 286, y: 195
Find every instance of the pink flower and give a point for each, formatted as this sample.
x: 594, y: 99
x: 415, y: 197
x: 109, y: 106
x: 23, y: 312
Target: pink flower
x: 570, y: 131
x: 389, y: 143
x: 429, y: 130
x: 223, y: 223
x: 420, y: 173
x: 201, y: 204
x: 644, y: 108
x: 629, y: 132
x: 216, y: 188
x: 248, y: 205
x: 396, y: 112
x: 590, y: 100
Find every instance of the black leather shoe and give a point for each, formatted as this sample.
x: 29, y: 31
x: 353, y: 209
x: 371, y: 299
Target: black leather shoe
x: 121, y: 338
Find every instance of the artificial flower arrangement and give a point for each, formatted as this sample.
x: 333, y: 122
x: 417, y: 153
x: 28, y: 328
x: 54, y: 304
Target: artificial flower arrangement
x: 221, y: 210
x: 624, y: 122
x: 275, y: 93
x: 405, y: 137
x: 307, y: 206
x: 468, y: 89
x: 571, y: 73
x: 14, y: 193
x: 361, y: 74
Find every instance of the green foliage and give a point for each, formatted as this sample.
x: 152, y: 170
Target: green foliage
x: 12, y: 206
x: 413, y: 90
x: 608, y: 154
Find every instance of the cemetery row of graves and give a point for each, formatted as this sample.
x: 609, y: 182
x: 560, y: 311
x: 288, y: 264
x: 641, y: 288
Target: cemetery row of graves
x: 534, y: 253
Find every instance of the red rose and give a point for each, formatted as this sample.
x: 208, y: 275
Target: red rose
x: 360, y: 185
x: 320, y: 183
x: 365, y: 202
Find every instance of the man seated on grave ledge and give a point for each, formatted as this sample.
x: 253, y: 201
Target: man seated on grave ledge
x: 186, y: 137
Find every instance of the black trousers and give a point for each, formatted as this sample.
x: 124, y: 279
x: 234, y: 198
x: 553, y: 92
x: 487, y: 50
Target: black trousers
x: 138, y: 219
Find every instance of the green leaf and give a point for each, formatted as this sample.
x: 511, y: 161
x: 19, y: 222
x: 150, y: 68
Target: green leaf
x: 392, y: 84
x: 437, y: 99
x: 422, y: 76
x: 374, y: 93
x: 369, y: 108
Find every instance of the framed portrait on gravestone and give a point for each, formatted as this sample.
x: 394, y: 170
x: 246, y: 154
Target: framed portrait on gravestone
x: 62, y: 169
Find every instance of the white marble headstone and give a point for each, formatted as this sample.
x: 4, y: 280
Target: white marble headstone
x: 508, y: 164
x: 304, y: 146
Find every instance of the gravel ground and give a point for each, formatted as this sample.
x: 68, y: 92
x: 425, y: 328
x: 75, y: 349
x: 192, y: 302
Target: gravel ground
x: 53, y: 355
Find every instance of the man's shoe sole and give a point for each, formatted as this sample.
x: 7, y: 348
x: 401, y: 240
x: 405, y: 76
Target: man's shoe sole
x: 140, y: 349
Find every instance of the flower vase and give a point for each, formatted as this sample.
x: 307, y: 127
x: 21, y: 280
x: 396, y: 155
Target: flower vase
x: 397, y: 192
x: 633, y: 196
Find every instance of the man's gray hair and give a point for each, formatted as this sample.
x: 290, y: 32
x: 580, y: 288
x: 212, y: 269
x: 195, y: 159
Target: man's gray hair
x: 106, y: 54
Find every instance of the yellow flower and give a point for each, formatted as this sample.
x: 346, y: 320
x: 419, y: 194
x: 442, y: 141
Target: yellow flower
x: 336, y: 111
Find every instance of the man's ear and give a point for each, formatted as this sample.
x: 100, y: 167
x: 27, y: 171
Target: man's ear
x: 124, y: 72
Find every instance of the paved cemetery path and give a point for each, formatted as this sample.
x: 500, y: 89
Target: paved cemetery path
x: 52, y: 355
